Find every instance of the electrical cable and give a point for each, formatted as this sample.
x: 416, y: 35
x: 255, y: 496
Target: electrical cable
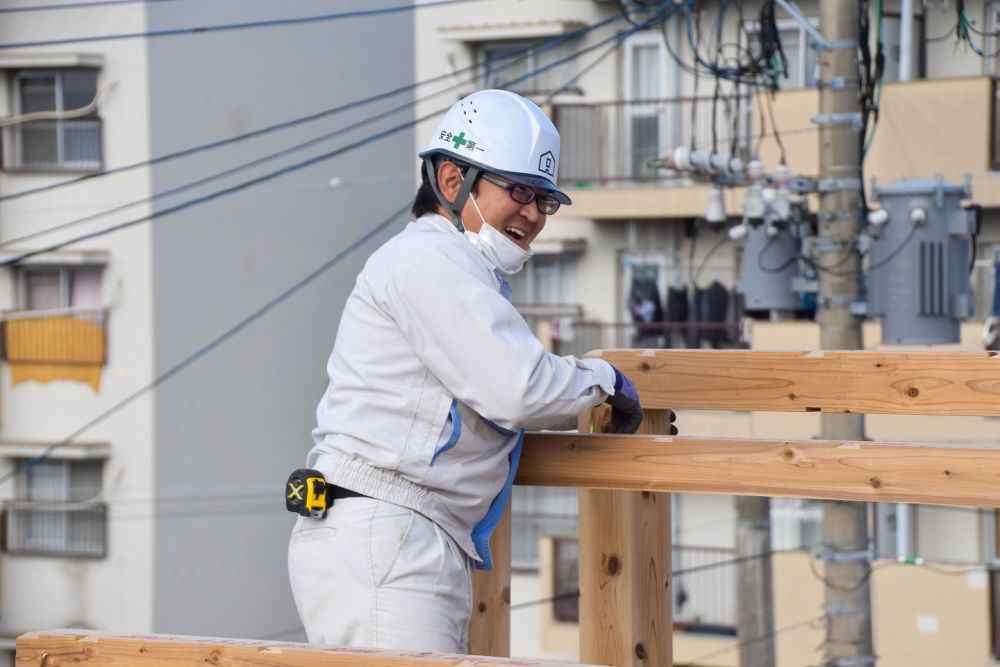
x: 24, y: 466
x: 205, y: 349
x: 225, y: 27
x: 76, y: 5
x: 774, y: 125
x: 704, y: 260
x: 21, y: 256
x: 514, y: 57
x: 694, y: 662
x: 665, y: 11
x: 775, y: 269
x: 281, y: 153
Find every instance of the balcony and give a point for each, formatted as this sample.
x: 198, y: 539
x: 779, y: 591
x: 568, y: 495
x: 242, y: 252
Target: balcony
x: 56, y: 345
x: 618, y: 143
x: 926, y: 127
x: 75, y: 530
x: 577, y: 337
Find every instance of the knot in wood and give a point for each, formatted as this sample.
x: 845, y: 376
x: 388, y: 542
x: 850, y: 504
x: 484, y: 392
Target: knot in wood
x: 788, y: 454
x: 875, y: 482
x: 505, y: 595
x: 214, y: 657
x: 912, y: 392
x: 645, y: 367
x: 640, y: 651
x: 612, y: 564
x: 482, y: 607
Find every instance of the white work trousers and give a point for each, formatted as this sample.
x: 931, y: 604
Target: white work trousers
x: 379, y: 575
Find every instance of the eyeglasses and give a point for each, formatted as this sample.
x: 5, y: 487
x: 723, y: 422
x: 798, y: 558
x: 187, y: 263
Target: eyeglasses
x: 522, y: 194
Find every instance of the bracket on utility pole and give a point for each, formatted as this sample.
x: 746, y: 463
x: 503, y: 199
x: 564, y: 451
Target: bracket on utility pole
x: 817, y: 37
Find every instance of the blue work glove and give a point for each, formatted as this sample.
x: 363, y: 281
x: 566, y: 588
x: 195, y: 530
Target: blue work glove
x: 626, y: 412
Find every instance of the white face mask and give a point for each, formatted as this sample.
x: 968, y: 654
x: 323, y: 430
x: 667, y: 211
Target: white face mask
x: 500, y: 251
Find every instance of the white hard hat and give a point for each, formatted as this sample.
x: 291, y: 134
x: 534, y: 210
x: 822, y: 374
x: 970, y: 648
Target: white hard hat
x: 501, y: 132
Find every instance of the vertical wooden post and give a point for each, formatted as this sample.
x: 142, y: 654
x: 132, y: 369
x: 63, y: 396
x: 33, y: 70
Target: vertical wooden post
x: 489, y: 627
x: 626, y: 615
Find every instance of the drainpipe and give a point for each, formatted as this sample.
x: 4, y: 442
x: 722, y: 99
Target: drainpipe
x: 906, y: 40
x: 674, y: 84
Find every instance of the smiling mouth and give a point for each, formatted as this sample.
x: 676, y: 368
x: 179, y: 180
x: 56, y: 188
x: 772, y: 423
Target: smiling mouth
x: 518, y: 236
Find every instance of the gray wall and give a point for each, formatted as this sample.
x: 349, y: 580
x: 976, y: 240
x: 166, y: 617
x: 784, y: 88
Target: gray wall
x: 233, y: 425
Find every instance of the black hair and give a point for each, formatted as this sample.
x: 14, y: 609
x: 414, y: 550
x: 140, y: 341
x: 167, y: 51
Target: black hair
x: 426, y: 201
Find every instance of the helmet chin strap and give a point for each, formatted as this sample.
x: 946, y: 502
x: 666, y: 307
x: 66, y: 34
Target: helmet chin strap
x: 453, y: 208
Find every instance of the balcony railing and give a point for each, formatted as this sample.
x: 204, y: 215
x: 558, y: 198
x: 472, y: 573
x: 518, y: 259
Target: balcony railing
x: 68, y: 337
x: 75, y: 530
x: 622, y: 141
x: 577, y: 337
x: 56, y: 145
x: 704, y: 589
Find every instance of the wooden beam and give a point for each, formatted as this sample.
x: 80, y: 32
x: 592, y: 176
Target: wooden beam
x: 489, y: 628
x: 932, y: 474
x: 625, y: 609
x: 944, y: 383
x: 63, y: 648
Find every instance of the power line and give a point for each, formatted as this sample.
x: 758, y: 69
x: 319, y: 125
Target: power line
x: 76, y: 5
x: 255, y: 162
x: 224, y: 27
x: 513, y: 58
x: 752, y: 640
x: 263, y: 310
x: 216, y: 342
x: 19, y: 257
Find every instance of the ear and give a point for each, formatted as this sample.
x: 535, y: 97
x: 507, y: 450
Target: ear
x: 449, y: 180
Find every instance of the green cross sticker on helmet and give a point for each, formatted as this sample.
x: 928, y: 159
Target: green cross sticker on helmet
x: 502, y: 133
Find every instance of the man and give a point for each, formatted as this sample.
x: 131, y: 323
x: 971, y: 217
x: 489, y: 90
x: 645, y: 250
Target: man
x: 433, y: 378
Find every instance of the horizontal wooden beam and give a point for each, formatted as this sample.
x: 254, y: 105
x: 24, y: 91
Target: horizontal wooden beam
x: 944, y: 383
x: 864, y: 471
x: 55, y: 648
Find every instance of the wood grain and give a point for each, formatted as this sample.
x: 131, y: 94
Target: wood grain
x: 489, y: 628
x: 940, y: 383
x: 935, y: 474
x: 62, y: 648
x: 625, y: 610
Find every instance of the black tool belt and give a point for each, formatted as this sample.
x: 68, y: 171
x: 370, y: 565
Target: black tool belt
x: 337, y: 493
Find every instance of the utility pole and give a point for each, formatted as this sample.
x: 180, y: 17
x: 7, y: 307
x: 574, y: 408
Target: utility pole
x: 845, y: 548
x: 754, y: 597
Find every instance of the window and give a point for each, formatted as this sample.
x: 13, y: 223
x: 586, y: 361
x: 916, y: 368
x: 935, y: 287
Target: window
x: 71, y: 144
x: 509, y: 64
x: 645, y: 124
x: 547, y: 280
x: 55, y: 511
x: 59, y: 287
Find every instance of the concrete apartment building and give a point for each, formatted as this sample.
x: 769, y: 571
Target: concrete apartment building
x: 167, y: 516
x: 631, y: 222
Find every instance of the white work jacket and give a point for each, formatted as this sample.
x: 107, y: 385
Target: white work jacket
x: 433, y: 377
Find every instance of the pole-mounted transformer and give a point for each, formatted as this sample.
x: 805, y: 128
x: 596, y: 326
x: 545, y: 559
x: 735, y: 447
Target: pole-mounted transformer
x: 918, y: 273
